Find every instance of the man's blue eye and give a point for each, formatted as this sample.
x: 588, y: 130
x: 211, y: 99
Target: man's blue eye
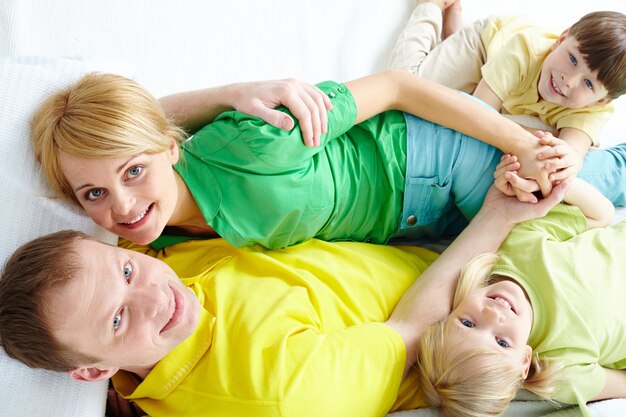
x: 573, y: 59
x: 502, y: 343
x: 134, y: 171
x: 467, y: 323
x: 128, y: 271
x: 588, y: 84
x: 117, y: 320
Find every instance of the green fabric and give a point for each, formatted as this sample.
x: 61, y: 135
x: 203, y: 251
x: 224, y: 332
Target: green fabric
x: 574, y: 280
x: 257, y: 184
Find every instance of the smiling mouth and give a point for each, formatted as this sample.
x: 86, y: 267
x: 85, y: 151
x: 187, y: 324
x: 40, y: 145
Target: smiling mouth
x: 137, y: 219
x: 555, y: 88
x: 176, y: 311
x: 504, y: 302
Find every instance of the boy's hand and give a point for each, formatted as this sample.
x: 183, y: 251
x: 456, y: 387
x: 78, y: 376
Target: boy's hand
x: 509, y: 183
x: 561, y: 159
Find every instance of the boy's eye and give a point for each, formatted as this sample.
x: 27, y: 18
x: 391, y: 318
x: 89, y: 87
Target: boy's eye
x: 573, y: 59
x: 502, y: 343
x: 588, y: 84
x: 117, y: 320
x: 128, y: 271
x: 134, y: 171
x: 467, y: 323
x: 94, y: 193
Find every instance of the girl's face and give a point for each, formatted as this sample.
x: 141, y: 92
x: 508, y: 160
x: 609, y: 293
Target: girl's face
x: 133, y: 197
x: 498, y: 316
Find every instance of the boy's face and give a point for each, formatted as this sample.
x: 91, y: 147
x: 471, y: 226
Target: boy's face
x: 498, y: 317
x: 566, y: 79
x: 133, y: 197
x: 123, y: 307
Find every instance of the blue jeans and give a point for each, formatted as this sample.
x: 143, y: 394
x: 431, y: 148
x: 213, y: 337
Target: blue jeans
x: 448, y: 175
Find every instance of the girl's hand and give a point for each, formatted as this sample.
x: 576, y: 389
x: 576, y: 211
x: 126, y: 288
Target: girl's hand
x: 508, y: 182
x: 305, y: 101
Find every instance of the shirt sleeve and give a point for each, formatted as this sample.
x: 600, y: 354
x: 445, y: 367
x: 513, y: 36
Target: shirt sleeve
x: 589, y: 120
x: 504, y: 72
x: 580, y: 383
x: 326, y: 372
x: 254, y: 144
x: 562, y: 223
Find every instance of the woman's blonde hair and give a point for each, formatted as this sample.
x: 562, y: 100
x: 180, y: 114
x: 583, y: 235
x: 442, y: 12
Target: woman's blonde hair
x: 100, y: 116
x: 473, y: 382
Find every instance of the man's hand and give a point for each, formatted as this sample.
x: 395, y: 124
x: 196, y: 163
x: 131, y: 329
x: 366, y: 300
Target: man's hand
x: 305, y: 101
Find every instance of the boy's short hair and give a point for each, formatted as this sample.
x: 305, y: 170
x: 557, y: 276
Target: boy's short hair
x: 40, y: 265
x: 100, y: 116
x: 474, y: 382
x: 601, y: 38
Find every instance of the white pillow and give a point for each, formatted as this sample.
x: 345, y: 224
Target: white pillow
x: 27, y: 212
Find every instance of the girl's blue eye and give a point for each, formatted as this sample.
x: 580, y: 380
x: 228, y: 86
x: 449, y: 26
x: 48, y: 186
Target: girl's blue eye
x: 467, y: 323
x: 588, y: 84
x: 573, y: 59
x: 502, y: 343
x: 128, y: 271
x: 94, y: 193
x: 117, y: 320
x: 134, y: 171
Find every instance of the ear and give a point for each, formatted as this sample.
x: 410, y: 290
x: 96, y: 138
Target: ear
x: 173, y: 151
x: 91, y: 373
x: 526, y: 361
x: 602, y: 102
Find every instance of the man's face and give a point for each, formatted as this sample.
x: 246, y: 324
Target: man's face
x: 123, y: 307
x: 566, y: 79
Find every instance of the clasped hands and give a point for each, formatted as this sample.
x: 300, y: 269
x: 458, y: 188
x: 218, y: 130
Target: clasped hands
x: 537, y: 170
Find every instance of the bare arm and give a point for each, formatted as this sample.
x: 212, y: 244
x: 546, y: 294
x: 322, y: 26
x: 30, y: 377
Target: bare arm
x: 486, y: 94
x: 430, y: 298
x: 194, y: 109
x: 614, y: 386
x: 428, y: 100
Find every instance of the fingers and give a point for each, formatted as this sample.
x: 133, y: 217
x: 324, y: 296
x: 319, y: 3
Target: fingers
x: 309, y: 105
x: 556, y: 196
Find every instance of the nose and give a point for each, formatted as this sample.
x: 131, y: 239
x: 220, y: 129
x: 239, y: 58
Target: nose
x: 122, y: 203
x: 570, y: 80
x: 493, y: 314
x: 149, y: 300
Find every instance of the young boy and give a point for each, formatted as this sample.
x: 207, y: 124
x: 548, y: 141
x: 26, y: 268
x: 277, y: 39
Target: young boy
x: 251, y: 332
x: 567, y: 81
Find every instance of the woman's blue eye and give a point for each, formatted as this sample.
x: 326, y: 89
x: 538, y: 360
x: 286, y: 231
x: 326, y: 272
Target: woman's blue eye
x: 134, y: 171
x: 94, y: 193
x: 573, y: 59
x: 128, y: 271
x: 117, y: 320
x: 588, y: 84
x: 467, y: 323
x: 502, y: 343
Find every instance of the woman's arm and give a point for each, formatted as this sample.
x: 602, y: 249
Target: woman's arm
x: 403, y: 91
x: 430, y: 298
x: 194, y: 109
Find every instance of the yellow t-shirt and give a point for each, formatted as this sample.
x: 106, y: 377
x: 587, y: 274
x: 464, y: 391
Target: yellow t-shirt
x: 294, y: 332
x: 515, y: 53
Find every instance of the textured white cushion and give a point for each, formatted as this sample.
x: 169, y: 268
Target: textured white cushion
x: 27, y: 212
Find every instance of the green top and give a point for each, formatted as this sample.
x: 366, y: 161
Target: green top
x: 257, y: 184
x: 575, y: 282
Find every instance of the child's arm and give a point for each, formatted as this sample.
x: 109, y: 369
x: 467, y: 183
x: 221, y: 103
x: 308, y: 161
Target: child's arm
x: 486, y: 94
x: 614, y: 385
x: 598, y: 210
x: 580, y: 142
x: 406, y: 92
x: 194, y: 109
x: 430, y: 298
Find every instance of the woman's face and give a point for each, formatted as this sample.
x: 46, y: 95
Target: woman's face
x: 133, y: 197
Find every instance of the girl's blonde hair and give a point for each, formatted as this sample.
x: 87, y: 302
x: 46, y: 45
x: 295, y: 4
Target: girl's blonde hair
x: 100, y: 116
x: 474, y: 382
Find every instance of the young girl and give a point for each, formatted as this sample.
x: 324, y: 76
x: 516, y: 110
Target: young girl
x: 545, y: 314
x: 105, y: 144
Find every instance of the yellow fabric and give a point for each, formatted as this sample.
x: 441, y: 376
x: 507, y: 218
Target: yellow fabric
x: 515, y: 53
x: 293, y: 332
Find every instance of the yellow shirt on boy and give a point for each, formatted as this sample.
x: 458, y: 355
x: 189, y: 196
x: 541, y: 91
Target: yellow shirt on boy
x: 295, y: 332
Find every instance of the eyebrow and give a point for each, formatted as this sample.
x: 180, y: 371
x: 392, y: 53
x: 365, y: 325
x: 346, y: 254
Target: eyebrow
x: 117, y: 171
